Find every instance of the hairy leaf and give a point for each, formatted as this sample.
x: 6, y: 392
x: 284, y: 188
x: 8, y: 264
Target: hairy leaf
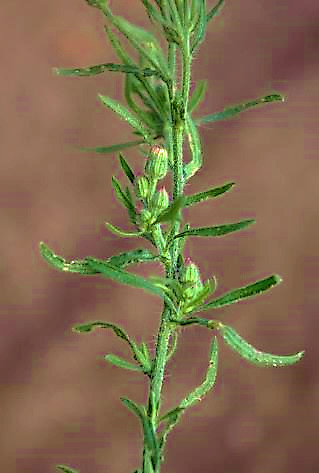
x: 254, y: 356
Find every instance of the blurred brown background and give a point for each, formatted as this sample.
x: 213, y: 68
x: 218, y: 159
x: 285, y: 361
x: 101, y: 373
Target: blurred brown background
x: 59, y: 399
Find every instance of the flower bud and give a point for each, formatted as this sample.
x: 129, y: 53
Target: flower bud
x: 156, y: 166
x: 160, y: 201
x: 142, y: 187
x: 191, y: 278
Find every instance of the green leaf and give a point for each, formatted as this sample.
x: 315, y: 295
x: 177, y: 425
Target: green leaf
x: 208, y: 288
x: 109, y: 271
x: 117, y: 361
x: 100, y: 68
x: 195, y: 396
x: 218, y: 230
x: 215, y: 192
x: 198, y: 95
x: 196, y: 149
x: 215, y: 10
x: 231, y: 111
x: 137, y: 37
x: 77, y: 266
x: 118, y: 231
x: 150, y: 439
x: 112, y: 148
x: 136, y: 352
x: 125, y: 114
x: 254, y: 356
x: 171, y: 213
x: 200, y: 27
x: 123, y: 199
x: 140, y: 255
x: 242, y: 293
x: 66, y: 469
x: 126, y: 168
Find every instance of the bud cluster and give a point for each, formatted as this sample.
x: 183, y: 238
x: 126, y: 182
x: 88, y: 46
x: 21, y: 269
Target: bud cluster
x: 155, y: 202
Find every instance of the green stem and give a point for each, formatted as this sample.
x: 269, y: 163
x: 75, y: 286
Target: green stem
x: 176, y: 135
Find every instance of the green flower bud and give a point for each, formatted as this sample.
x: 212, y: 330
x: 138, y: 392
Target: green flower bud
x: 160, y: 201
x: 156, y: 166
x: 146, y: 219
x: 142, y: 187
x: 190, y: 277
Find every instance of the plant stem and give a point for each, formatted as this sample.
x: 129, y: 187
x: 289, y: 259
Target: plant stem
x: 176, y: 133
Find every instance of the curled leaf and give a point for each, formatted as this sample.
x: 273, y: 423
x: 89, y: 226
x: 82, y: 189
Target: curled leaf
x: 251, y: 354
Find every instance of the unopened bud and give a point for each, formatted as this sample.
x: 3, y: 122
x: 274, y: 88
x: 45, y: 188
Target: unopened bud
x: 156, y: 166
x: 191, y: 277
x: 160, y: 201
x: 142, y: 187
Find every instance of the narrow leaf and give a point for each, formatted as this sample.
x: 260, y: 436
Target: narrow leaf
x: 100, y: 68
x: 216, y: 231
x: 126, y: 168
x: 170, y: 214
x: 121, y: 196
x: 196, y: 149
x: 198, y: 95
x: 136, y: 352
x: 149, y: 432
x: 230, y: 112
x: 200, y: 28
x: 215, y: 192
x: 113, y: 148
x: 118, y: 231
x: 77, y: 266
x: 208, y: 288
x: 209, y: 381
x: 242, y: 293
x: 125, y: 114
x: 66, y: 469
x: 215, y: 10
x: 254, y: 356
x: 137, y: 36
x: 140, y: 255
x: 124, y: 277
x: 117, y: 361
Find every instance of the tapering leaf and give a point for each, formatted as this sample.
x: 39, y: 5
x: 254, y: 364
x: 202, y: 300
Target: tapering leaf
x: 198, y: 95
x: 125, y: 114
x: 254, y: 356
x: 137, y: 353
x: 137, y: 36
x: 100, y: 68
x: 113, y: 148
x: 121, y: 196
x: 120, y: 363
x: 122, y: 233
x: 215, y: 192
x: 196, y: 149
x: 208, y: 288
x: 216, y: 231
x: 209, y: 381
x: 200, y: 27
x: 76, y: 266
x: 140, y: 255
x: 126, y: 168
x: 231, y: 111
x: 215, y: 10
x: 171, y: 213
x: 236, y: 295
x: 150, y: 439
x: 124, y: 277
x: 66, y: 469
